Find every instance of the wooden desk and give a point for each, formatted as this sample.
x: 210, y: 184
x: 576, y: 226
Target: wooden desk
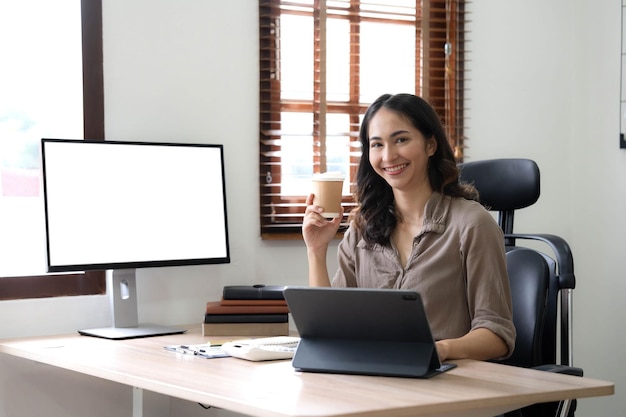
x: 275, y: 389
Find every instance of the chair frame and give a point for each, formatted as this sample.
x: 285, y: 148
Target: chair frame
x: 567, y: 283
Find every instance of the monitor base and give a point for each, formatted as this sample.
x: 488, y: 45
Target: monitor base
x: 143, y: 330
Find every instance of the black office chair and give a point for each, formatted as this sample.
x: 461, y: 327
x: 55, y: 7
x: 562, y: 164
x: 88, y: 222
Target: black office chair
x: 541, y: 284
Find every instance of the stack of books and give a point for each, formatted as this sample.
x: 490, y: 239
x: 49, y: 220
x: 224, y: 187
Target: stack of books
x: 247, y: 311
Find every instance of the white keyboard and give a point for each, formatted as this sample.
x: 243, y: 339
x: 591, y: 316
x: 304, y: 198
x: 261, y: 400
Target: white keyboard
x: 263, y: 349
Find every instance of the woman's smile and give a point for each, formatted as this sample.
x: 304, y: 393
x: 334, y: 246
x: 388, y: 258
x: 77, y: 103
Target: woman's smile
x: 395, y: 169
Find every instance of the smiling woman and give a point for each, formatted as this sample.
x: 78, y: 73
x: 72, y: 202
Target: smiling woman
x: 55, y: 89
x: 418, y: 227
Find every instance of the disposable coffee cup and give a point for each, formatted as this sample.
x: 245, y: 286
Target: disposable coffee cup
x: 327, y: 190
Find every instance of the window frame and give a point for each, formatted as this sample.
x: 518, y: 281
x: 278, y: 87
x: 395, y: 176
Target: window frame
x: 90, y: 282
x: 440, y: 71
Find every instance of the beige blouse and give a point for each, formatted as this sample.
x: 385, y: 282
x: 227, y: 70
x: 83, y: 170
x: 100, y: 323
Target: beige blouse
x: 457, y: 265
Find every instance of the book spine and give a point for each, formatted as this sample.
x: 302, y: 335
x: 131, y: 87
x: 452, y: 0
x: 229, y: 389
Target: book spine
x: 215, y: 307
x: 245, y: 329
x: 253, y: 302
x: 246, y: 318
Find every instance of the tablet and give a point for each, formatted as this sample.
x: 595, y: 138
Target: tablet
x: 363, y: 331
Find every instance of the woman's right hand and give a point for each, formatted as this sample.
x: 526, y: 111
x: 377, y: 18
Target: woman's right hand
x: 316, y: 229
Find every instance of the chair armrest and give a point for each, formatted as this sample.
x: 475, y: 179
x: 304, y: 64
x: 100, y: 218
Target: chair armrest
x: 567, y: 407
x: 560, y: 369
x: 562, y: 253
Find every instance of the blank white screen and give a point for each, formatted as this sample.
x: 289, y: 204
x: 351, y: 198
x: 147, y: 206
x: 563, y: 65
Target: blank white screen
x: 120, y: 203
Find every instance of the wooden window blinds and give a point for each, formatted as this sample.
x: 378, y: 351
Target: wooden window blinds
x: 322, y: 63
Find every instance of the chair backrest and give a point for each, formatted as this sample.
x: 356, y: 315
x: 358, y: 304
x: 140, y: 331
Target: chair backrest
x: 529, y: 276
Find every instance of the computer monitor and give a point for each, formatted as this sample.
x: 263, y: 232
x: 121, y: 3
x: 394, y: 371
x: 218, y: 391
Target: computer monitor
x: 118, y: 206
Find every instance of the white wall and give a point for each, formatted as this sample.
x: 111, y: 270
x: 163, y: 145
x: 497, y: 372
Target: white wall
x: 544, y: 84
x: 598, y: 197
x: 547, y: 87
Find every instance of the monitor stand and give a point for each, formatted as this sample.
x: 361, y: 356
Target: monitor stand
x: 122, y: 285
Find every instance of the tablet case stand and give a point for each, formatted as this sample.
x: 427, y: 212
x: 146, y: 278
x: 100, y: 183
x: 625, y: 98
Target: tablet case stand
x: 415, y: 360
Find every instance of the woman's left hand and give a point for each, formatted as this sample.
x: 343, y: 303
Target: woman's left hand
x: 443, y: 349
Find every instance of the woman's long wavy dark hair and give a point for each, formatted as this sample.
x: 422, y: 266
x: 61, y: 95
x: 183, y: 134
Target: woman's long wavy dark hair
x: 375, y: 216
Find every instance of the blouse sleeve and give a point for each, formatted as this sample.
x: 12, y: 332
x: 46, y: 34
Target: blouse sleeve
x: 488, y: 290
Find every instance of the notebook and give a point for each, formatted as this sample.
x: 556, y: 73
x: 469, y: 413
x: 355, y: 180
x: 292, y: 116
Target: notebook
x: 363, y: 331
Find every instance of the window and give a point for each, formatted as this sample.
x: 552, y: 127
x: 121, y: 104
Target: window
x: 24, y: 113
x: 322, y: 62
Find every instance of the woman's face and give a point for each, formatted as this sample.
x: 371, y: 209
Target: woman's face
x: 398, y: 151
